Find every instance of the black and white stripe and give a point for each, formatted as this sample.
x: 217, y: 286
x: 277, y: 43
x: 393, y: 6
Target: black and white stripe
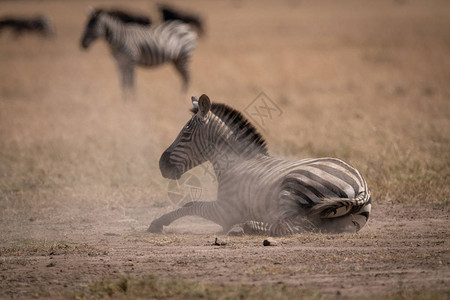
x: 265, y: 194
x: 135, y: 44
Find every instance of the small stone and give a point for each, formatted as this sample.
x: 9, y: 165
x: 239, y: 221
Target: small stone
x: 270, y: 242
x: 219, y: 242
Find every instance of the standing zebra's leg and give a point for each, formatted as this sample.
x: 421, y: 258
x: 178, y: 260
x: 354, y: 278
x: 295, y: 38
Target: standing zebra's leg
x: 182, y: 66
x: 209, y: 210
x: 126, y: 70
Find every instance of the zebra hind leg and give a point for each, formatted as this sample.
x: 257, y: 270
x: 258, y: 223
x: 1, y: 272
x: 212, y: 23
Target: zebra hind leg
x: 280, y: 228
x: 350, y: 223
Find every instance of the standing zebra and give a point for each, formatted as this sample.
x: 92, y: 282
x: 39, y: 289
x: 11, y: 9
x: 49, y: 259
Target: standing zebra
x: 262, y: 193
x: 134, y: 44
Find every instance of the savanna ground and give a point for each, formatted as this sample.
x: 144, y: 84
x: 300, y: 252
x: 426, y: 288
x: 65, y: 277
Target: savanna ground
x: 365, y: 81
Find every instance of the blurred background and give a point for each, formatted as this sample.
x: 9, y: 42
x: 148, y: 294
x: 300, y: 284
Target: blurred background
x: 364, y: 81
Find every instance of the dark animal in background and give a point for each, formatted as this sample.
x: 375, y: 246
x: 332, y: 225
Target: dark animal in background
x: 169, y: 13
x: 128, y: 17
x: 20, y: 25
x: 134, y: 45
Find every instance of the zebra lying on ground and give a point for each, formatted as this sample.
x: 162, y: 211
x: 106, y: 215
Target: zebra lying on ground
x: 262, y: 193
x: 133, y: 44
x: 19, y: 25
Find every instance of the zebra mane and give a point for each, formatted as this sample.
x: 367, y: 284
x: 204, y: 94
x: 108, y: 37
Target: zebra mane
x: 246, y: 133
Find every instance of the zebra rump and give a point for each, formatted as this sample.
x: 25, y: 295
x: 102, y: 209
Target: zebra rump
x: 171, y: 14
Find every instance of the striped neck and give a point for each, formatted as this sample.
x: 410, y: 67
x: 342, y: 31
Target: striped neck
x: 113, y: 29
x: 233, y: 139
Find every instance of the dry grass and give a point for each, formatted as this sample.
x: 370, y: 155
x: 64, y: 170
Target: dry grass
x: 152, y: 287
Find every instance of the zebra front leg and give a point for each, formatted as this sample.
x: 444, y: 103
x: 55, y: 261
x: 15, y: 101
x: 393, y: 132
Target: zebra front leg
x: 126, y: 70
x: 208, y: 210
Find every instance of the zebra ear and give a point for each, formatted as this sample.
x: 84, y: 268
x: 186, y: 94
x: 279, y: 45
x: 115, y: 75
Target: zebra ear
x: 89, y: 10
x: 204, y: 105
x: 194, y: 102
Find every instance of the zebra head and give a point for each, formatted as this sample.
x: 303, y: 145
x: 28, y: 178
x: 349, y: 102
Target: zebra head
x: 94, y: 29
x: 188, y: 149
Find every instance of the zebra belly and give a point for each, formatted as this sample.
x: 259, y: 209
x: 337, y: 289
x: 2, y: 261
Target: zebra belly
x: 149, y: 62
x: 148, y: 54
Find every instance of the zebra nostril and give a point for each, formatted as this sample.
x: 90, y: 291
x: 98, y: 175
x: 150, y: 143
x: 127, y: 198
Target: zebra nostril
x: 84, y: 43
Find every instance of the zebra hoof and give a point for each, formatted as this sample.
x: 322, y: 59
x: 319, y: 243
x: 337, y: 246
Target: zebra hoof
x: 155, y: 228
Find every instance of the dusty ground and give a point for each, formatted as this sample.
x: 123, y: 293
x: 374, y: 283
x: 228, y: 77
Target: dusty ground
x: 79, y: 177
x: 403, y: 249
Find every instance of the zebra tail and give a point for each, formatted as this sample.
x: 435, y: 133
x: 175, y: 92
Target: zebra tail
x: 338, y: 207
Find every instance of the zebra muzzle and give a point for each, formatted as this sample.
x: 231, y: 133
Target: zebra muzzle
x: 168, y: 170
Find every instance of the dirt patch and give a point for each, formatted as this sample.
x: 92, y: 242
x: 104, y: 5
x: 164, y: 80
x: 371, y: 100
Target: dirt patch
x: 401, y: 249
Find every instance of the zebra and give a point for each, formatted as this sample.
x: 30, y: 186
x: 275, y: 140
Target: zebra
x: 19, y: 25
x: 259, y: 193
x: 134, y: 44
